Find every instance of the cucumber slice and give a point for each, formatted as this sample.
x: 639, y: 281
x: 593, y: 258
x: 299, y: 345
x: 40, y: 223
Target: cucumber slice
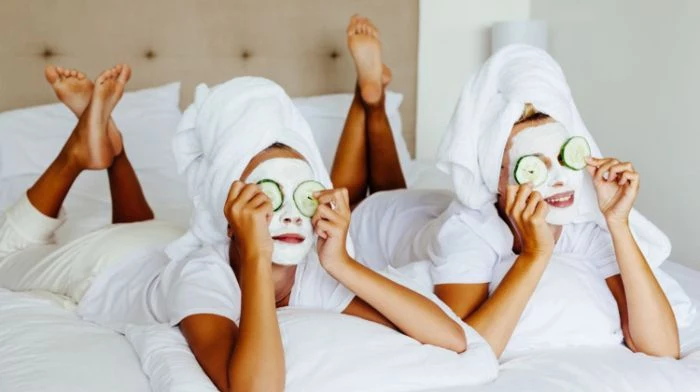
x: 304, y: 199
x: 530, y: 169
x: 272, y: 190
x: 574, y: 152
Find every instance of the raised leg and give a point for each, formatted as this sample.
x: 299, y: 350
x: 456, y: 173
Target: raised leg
x: 76, y: 92
x: 350, y: 166
x: 366, y: 158
x: 384, y: 165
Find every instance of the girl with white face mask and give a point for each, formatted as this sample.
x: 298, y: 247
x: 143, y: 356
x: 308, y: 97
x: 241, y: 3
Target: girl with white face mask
x: 271, y: 251
x: 267, y: 231
x: 535, y: 248
x: 580, y: 262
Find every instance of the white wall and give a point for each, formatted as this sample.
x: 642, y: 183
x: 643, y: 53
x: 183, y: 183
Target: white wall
x: 634, y: 69
x: 633, y: 66
x: 454, y: 40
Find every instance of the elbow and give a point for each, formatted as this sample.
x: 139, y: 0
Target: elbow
x: 457, y: 339
x: 258, y: 382
x: 259, y: 385
x: 669, y: 350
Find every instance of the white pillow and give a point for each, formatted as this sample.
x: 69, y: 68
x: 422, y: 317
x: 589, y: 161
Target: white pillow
x: 32, y: 137
x: 167, y: 360
x: 326, y: 115
x: 327, y: 351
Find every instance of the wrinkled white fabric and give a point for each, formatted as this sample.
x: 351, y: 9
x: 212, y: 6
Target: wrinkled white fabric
x: 472, y: 149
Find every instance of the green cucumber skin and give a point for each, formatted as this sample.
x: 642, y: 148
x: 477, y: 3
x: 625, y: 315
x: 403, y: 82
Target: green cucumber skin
x: 279, y: 189
x: 320, y: 186
x: 515, y: 171
x: 562, y: 156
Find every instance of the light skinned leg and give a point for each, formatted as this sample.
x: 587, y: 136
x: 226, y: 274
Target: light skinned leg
x: 384, y: 165
x: 350, y: 164
x: 366, y: 158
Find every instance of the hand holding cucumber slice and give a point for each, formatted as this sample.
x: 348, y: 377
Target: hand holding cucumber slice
x: 272, y: 190
x: 530, y: 169
x: 304, y: 197
x: 574, y: 152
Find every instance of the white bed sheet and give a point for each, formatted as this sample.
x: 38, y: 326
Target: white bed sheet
x: 44, y: 346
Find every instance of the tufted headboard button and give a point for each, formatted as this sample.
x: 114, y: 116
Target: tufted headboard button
x: 150, y: 54
x: 334, y: 54
x: 47, y: 53
x: 245, y: 55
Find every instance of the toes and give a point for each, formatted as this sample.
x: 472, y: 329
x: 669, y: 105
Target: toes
x: 61, y: 73
x: 103, y: 77
x: 51, y: 73
x: 351, y: 26
x: 125, y: 74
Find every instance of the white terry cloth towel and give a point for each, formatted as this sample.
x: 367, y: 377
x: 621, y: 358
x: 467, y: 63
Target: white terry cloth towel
x: 472, y: 148
x: 218, y: 135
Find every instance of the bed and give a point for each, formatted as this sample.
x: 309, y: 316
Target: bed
x: 45, y: 346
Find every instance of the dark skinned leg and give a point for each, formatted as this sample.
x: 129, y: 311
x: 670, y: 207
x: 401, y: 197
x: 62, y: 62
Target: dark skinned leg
x: 128, y: 201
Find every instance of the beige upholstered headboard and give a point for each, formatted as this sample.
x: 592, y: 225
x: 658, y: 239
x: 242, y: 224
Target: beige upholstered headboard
x: 298, y: 43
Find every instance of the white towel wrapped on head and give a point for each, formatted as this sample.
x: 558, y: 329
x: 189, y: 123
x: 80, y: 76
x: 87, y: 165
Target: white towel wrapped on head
x: 491, y: 102
x: 472, y: 150
x: 219, y: 134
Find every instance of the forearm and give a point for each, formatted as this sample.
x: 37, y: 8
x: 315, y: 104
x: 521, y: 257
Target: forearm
x: 257, y: 361
x: 497, y: 318
x: 651, y: 322
x: 412, y: 313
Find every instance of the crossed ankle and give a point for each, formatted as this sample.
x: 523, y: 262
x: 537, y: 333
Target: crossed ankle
x: 377, y: 105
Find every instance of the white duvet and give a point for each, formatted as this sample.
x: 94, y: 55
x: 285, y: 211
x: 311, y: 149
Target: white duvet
x: 44, y: 346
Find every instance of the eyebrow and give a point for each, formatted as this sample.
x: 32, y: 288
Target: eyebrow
x: 544, y: 158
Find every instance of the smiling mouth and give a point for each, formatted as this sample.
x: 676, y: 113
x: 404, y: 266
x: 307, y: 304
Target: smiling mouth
x: 561, y: 200
x: 290, y: 238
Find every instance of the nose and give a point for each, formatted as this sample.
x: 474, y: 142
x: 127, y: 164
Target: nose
x: 290, y: 215
x: 292, y: 220
x: 557, y: 175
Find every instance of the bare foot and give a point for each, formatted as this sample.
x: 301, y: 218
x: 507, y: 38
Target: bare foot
x: 71, y: 87
x: 365, y: 48
x: 91, y: 145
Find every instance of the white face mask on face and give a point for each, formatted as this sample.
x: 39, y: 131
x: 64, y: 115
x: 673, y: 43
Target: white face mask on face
x: 291, y: 231
x: 559, y: 190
